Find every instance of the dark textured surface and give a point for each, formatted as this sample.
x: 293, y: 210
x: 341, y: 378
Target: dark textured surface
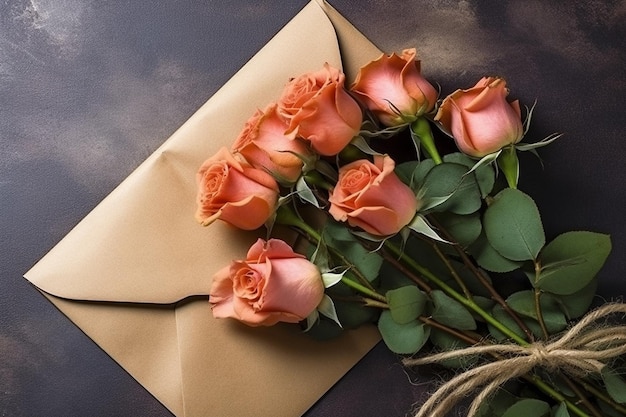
x: 89, y: 89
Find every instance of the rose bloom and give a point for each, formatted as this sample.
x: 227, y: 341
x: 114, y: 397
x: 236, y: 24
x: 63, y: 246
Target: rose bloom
x: 235, y: 192
x: 393, y: 88
x: 320, y: 110
x: 264, y: 144
x: 480, y: 119
x: 371, y: 196
x: 272, y: 284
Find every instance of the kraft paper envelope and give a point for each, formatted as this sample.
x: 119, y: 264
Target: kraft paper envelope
x: 126, y: 272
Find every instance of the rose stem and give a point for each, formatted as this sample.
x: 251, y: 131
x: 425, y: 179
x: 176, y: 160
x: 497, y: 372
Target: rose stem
x: 421, y: 133
x: 469, y: 303
x: 537, y: 381
x: 583, y: 399
x: 539, y: 313
x: 484, y: 282
x: 287, y: 217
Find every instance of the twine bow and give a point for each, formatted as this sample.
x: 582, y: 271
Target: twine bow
x: 581, y: 350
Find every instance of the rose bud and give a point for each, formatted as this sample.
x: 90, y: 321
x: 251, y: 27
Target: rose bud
x: 235, y: 192
x: 320, y: 110
x: 480, y: 119
x: 265, y: 145
x: 272, y: 284
x: 371, y: 196
x: 393, y: 88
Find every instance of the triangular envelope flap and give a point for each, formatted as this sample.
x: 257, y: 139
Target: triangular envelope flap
x: 141, y: 243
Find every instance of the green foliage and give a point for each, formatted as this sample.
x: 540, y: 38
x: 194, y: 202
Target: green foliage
x: 571, y: 261
x: 524, y: 303
x: 404, y: 338
x: 615, y: 384
x: 577, y: 304
x: 513, y: 226
x: 339, y: 237
x: 490, y: 259
x: 528, y: 407
x: 449, y: 180
x: 450, y: 312
x: 406, y: 303
x: 464, y: 229
x: 484, y: 174
x: 561, y: 411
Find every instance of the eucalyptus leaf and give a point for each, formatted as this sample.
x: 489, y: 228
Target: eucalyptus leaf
x: 412, y: 173
x: 577, y: 304
x: 571, y: 261
x: 490, y: 259
x: 615, y: 384
x: 485, y: 174
x: 528, y: 407
x: 523, y: 302
x: 465, y: 229
x: 406, y: 303
x: 450, y: 312
x: 450, y: 179
x: 513, y: 226
x: 340, y: 238
x: 561, y: 411
x: 352, y: 314
x: 405, y: 338
x: 503, y: 317
x: 447, y: 342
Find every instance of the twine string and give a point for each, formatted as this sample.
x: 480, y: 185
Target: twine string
x: 583, y: 349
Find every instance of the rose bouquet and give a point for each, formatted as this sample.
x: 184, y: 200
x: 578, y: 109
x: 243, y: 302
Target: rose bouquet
x: 407, y: 216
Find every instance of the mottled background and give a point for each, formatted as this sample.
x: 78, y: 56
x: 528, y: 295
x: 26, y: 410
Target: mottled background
x: 88, y: 89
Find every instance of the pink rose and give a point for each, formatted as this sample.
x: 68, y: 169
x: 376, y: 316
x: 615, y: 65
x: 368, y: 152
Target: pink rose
x: 264, y: 144
x: 320, y: 110
x: 393, y: 88
x: 371, y: 196
x: 480, y: 119
x: 235, y: 192
x: 272, y: 284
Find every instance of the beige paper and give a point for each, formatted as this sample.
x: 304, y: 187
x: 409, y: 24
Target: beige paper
x: 121, y: 272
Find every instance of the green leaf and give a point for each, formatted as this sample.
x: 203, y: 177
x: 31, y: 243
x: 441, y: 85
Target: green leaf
x: 405, y: 338
x: 332, y: 278
x: 340, y: 238
x: 406, y: 303
x: 503, y: 317
x: 561, y: 411
x: 577, y: 304
x: 523, y: 302
x: 465, y: 229
x: 485, y: 174
x: 305, y: 193
x: 412, y: 173
x: 327, y: 308
x: 447, y: 342
x: 488, y: 258
x: 571, y: 261
x: 513, y: 226
x: 420, y: 225
x: 449, y: 179
x: 450, y: 312
x: 615, y: 384
x: 528, y: 407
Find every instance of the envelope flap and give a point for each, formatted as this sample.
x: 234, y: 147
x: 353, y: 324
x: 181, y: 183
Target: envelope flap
x: 141, y: 243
